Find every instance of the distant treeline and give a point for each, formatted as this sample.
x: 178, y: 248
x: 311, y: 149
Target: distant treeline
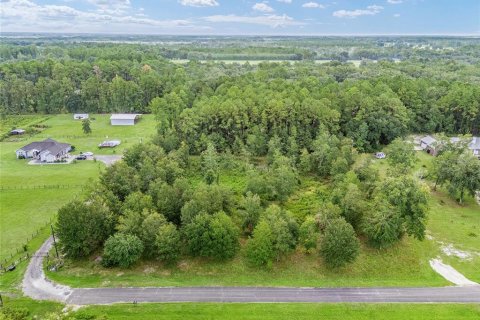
x: 248, y: 104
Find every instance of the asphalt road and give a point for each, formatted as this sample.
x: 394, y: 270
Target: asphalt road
x: 261, y: 294
x: 36, y: 285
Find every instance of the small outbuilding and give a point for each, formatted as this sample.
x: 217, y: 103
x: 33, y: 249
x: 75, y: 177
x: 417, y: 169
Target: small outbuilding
x: 430, y: 145
x: 16, y: 132
x: 109, y: 144
x: 80, y: 116
x: 124, y: 119
x: 474, y: 146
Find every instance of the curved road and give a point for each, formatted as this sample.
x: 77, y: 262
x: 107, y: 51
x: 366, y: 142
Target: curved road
x: 36, y: 285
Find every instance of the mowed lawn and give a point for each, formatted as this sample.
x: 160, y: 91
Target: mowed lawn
x: 290, y: 311
x: 255, y: 311
x: 25, y: 204
x: 31, y: 194
x: 63, y: 128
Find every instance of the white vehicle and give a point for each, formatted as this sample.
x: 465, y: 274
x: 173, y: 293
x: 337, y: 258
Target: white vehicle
x: 88, y: 154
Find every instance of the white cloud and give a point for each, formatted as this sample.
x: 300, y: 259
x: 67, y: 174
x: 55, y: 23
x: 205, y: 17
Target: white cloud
x: 27, y: 16
x: 262, y: 7
x: 111, y: 6
x: 369, y: 11
x: 270, y: 20
x: 394, y: 1
x: 199, y: 3
x: 313, y: 5
x: 396, y: 15
x: 285, y: 1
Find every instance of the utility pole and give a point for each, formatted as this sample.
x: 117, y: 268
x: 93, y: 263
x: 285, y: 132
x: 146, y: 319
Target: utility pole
x: 54, y: 241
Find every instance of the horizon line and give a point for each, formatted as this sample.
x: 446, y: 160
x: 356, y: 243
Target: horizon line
x: 474, y: 35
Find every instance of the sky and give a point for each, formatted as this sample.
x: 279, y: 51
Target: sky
x: 243, y: 17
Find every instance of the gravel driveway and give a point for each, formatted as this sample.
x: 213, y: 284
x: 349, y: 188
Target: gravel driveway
x: 108, y: 160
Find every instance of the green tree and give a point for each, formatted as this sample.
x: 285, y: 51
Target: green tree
x: 86, y: 126
x: 260, y: 251
x: 339, y: 245
x: 167, y: 243
x: 383, y: 225
x: 401, y: 154
x: 251, y: 210
x: 210, y: 166
x: 120, y: 179
x: 212, y: 236
x: 151, y: 225
x: 81, y: 228
x: 309, y: 234
x: 465, y: 176
x: 411, y: 199
x: 122, y: 250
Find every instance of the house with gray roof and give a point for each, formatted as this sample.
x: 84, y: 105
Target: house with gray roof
x: 474, y: 145
x: 47, y: 150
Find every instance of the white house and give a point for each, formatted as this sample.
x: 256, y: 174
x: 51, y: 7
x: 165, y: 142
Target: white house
x: 47, y: 150
x: 80, y: 116
x: 124, y: 119
x: 475, y: 146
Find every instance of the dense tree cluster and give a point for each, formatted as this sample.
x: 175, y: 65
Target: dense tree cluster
x: 274, y: 125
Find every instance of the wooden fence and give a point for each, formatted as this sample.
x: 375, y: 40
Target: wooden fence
x: 22, y: 253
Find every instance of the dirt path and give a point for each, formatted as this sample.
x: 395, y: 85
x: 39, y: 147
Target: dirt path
x: 36, y: 285
x: 449, y: 273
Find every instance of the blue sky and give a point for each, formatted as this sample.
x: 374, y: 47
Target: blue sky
x: 243, y: 17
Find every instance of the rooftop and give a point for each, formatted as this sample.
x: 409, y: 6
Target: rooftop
x: 124, y: 116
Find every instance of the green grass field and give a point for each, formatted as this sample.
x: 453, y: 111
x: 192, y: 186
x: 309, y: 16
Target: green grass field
x: 406, y: 264
x: 171, y: 311
x: 288, y: 311
x: 25, y: 205
x: 64, y: 129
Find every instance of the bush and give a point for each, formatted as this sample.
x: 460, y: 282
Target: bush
x: 260, y: 251
x: 309, y: 234
x: 122, y: 250
x: 383, y: 226
x: 339, y: 244
x: 167, y: 243
x: 9, y: 313
x: 212, y: 236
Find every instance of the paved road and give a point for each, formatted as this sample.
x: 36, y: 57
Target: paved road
x: 37, y: 286
x: 259, y: 294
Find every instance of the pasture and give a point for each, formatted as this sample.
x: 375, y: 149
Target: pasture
x: 31, y: 195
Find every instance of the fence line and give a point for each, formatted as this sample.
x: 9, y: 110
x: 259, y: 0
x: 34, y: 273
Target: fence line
x: 13, y: 259
x: 44, y: 186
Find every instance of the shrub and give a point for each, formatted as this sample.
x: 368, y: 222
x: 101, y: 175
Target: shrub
x: 167, y: 243
x: 339, y: 245
x: 122, y: 250
x: 212, y: 236
x: 260, y: 251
